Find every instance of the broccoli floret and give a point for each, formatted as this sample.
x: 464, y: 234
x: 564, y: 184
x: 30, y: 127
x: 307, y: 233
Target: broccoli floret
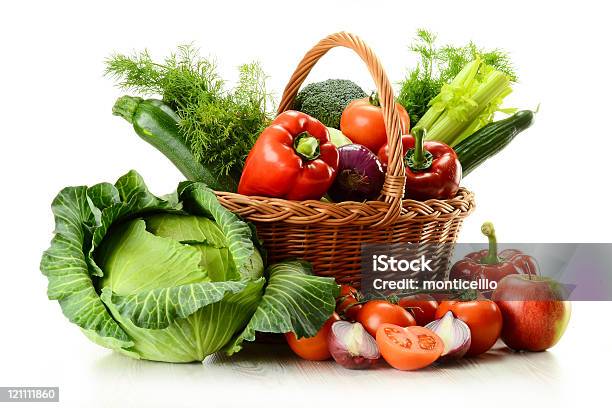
x: 326, y: 100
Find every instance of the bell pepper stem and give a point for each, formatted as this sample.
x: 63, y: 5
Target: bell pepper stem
x: 307, y: 146
x: 374, y: 99
x: 491, y: 257
x: 418, y: 157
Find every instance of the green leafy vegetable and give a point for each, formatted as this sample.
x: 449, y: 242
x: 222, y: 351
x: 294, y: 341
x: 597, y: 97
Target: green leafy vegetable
x: 326, y: 100
x: 466, y: 104
x: 172, y: 279
x: 220, y: 126
x: 438, y: 65
x: 279, y: 312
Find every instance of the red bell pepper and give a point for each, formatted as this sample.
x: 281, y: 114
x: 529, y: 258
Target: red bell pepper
x: 491, y: 265
x: 293, y: 158
x: 432, y: 168
x: 383, y: 152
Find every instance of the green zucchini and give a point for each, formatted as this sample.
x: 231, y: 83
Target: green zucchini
x: 158, y: 124
x: 491, y: 139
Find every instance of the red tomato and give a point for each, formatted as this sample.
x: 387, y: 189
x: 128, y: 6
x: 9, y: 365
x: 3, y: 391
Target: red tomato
x: 408, y: 348
x: 422, y: 306
x: 345, y: 303
x: 376, y: 312
x: 363, y: 123
x: 313, y: 348
x: 483, y: 317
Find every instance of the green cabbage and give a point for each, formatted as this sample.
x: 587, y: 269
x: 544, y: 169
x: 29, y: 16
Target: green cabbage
x: 175, y: 278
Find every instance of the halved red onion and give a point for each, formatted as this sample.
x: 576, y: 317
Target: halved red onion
x: 352, y: 346
x: 454, y: 333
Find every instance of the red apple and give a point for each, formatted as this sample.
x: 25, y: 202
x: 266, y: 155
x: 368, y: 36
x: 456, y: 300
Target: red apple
x: 534, y: 311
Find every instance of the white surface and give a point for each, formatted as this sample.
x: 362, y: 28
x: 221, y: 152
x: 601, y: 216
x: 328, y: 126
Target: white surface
x: 57, y: 130
x: 269, y: 375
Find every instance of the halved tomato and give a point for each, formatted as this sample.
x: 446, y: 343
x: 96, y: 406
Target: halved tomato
x: 408, y: 348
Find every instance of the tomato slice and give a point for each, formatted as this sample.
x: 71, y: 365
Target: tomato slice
x: 408, y: 348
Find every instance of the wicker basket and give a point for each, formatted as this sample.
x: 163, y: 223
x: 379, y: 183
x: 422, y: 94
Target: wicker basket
x: 330, y: 235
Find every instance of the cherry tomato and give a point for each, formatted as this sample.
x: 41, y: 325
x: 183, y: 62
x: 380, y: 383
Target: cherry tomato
x: 422, y: 306
x: 408, y: 348
x: 362, y: 122
x: 376, y: 312
x: 483, y: 317
x: 345, y: 303
x: 313, y: 348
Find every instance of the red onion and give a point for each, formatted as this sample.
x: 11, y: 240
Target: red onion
x: 360, y: 175
x: 351, y: 346
x: 454, y: 333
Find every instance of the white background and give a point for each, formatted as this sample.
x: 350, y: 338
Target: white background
x: 551, y: 185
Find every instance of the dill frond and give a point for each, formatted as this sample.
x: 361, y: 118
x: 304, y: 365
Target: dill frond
x: 220, y: 125
x: 437, y: 66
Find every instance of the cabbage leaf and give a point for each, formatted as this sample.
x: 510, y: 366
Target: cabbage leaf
x: 294, y: 301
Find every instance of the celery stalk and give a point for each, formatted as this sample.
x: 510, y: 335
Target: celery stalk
x: 464, y: 80
x: 486, y: 116
x: 466, y: 103
x: 449, y: 127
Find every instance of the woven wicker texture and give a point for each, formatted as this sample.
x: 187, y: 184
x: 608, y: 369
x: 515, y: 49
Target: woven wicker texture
x: 330, y: 235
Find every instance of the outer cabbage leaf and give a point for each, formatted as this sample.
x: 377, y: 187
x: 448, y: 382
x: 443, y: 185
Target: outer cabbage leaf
x: 184, y: 323
x: 66, y: 267
x: 294, y: 301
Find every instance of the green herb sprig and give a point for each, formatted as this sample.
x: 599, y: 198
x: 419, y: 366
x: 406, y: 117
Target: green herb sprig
x: 218, y: 124
x: 437, y: 66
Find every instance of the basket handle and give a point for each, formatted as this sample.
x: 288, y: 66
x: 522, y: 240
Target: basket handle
x: 393, y: 188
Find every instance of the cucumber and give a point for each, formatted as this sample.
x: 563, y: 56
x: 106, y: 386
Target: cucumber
x: 158, y: 124
x: 491, y: 139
